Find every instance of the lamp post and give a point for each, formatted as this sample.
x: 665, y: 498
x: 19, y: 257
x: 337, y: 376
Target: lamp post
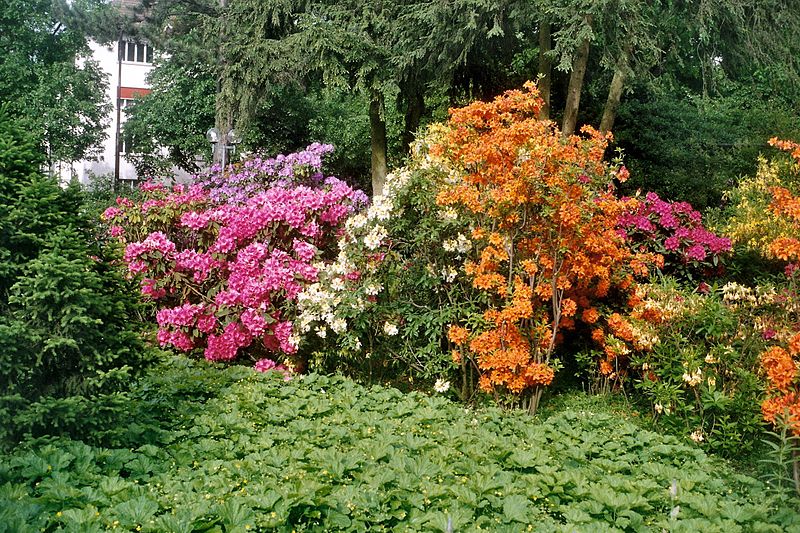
x: 228, y: 141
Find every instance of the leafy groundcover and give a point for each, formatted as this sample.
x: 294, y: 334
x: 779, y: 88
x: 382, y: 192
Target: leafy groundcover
x: 208, y: 449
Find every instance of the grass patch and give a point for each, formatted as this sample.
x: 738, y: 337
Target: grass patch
x: 208, y: 449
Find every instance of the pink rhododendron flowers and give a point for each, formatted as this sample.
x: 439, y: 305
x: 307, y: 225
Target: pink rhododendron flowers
x: 225, y: 258
x: 267, y: 365
x: 673, y: 229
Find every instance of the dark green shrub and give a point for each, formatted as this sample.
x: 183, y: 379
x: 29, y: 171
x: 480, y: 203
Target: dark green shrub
x: 68, y: 327
x: 690, y: 148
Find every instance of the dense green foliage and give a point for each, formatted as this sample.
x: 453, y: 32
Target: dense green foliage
x: 694, y: 148
x: 202, y: 448
x: 699, y: 82
x: 68, y: 319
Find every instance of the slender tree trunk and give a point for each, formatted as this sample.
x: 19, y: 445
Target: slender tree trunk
x: 575, y: 86
x: 545, y: 68
x: 415, y: 107
x: 223, y: 117
x: 796, y: 466
x: 377, y: 130
x: 614, y: 94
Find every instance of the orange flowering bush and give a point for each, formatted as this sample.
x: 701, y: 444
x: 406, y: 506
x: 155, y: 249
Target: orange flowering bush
x: 544, y: 225
x: 781, y: 408
x: 780, y: 363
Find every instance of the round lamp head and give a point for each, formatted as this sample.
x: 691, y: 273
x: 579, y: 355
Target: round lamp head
x: 234, y: 137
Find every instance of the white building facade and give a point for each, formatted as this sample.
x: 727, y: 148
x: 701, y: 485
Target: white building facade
x: 126, y: 64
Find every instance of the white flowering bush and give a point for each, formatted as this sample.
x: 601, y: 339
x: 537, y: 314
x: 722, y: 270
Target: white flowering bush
x: 380, y: 311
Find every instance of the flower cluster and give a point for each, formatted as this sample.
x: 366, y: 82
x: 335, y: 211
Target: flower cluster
x: 736, y: 295
x: 227, y: 269
x: 237, y: 183
x: 674, y: 230
x: 781, y: 364
x: 545, y: 234
x: 397, y: 281
x: 349, y: 284
x: 704, y: 366
x: 781, y: 367
x: 268, y: 365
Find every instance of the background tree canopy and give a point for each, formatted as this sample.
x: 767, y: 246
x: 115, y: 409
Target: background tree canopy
x: 47, y: 77
x: 718, y: 73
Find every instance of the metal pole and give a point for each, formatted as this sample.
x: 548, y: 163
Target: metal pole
x: 117, y: 101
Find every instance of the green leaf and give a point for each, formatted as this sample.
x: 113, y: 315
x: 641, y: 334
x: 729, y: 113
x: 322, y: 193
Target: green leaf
x: 515, y: 507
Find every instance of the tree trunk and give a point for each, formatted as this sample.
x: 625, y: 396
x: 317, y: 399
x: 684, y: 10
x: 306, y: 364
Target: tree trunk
x: 223, y: 123
x: 614, y: 94
x: 575, y: 86
x: 415, y: 107
x: 223, y: 117
x: 545, y: 68
x: 377, y: 131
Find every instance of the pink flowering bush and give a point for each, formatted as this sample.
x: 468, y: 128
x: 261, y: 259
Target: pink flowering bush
x: 224, y: 265
x: 674, y: 230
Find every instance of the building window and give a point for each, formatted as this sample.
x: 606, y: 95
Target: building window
x: 125, y: 104
x: 126, y: 143
x: 135, y: 52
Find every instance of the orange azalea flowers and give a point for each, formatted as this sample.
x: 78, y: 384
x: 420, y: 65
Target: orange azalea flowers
x: 781, y: 364
x: 783, y: 402
x: 545, y: 229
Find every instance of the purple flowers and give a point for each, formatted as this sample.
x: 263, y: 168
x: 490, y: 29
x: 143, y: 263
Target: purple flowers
x: 238, y: 183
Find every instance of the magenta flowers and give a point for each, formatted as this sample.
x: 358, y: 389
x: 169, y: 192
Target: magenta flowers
x: 675, y: 230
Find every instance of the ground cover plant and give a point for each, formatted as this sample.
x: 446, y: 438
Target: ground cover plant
x: 205, y: 448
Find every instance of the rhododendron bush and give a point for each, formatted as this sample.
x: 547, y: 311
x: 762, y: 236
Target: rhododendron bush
x: 782, y: 360
x: 546, y: 230
x: 225, y: 258
x: 380, y: 310
x: 702, y: 376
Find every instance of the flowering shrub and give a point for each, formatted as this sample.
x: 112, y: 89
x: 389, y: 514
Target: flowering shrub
x: 225, y: 264
x: 528, y: 247
x: 674, y: 230
x: 254, y: 174
x: 703, y: 372
x: 545, y: 233
x: 757, y: 220
x: 380, y: 311
x: 751, y: 224
x: 781, y: 361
